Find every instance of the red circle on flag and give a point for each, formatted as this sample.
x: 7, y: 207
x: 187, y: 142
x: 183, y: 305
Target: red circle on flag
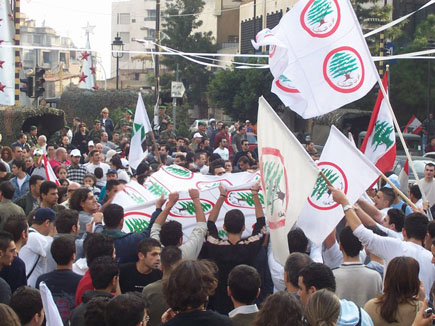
x: 286, y: 89
x: 320, y: 35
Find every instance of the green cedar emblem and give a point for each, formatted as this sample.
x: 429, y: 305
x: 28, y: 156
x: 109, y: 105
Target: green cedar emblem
x: 382, y: 134
x: 157, y: 189
x: 342, y: 64
x: 136, y: 224
x: 178, y: 171
x: 190, y: 208
x: 138, y: 127
x: 321, y: 186
x: 246, y: 196
x: 318, y: 11
x: 273, y: 174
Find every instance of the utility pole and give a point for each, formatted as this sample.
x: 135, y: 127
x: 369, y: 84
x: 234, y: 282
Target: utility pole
x: 17, y: 50
x: 174, y: 105
x: 157, y: 66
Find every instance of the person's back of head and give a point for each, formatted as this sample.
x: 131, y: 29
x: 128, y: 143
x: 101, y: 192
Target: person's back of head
x: 169, y: 257
x: 414, y: 190
x: 95, y: 311
x: 8, y: 317
x: 280, y: 309
x: 67, y: 221
x: 322, y: 309
x: 63, y: 250
x: 17, y: 226
x: 126, y: 310
x: 244, y: 284
x: 389, y: 195
x: 396, y: 217
x: 27, y: 304
x: 171, y: 233
x: 97, y: 245
x: 234, y: 221
x: 349, y: 243
x: 112, y: 184
x: 416, y: 226
x: 99, y: 173
x: 7, y: 190
x: 319, y: 276
x: 431, y: 229
x: 103, y: 270
x: 113, y: 214
x: 293, y: 265
x: 297, y: 240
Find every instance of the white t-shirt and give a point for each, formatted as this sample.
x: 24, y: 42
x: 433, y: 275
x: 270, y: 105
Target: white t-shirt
x: 224, y: 153
x: 91, y: 168
x: 20, y: 182
x: 429, y: 190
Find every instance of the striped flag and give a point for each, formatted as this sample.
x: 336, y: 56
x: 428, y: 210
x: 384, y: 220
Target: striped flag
x: 49, y: 173
x: 413, y: 126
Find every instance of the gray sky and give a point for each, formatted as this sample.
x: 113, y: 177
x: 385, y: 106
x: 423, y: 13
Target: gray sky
x: 68, y: 17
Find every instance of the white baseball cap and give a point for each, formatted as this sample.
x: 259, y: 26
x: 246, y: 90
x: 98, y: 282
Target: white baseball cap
x: 91, y: 143
x: 197, y: 135
x: 75, y: 153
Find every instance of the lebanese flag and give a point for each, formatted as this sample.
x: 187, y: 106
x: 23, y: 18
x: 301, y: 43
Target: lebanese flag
x: 49, y: 173
x: 404, y: 177
x: 379, y: 144
x: 413, y: 126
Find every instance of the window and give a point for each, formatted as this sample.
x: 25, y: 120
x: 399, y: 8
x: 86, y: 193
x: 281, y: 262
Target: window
x: 136, y: 76
x: 62, y: 57
x: 123, y: 19
x: 151, y: 12
x: 133, y: 20
x: 151, y: 34
x: 37, y: 39
x: 125, y: 37
x: 46, y: 57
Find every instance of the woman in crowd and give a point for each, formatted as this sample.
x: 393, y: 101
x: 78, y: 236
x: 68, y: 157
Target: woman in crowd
x: 188, y: 300
x: 8, y: 317
x: 106, y: 122
x: 323, y: 309
x: 115, y: 163
x: 280, y: 309
x: 398, y: 305
x: 6, y: 154
x: 81, y: 138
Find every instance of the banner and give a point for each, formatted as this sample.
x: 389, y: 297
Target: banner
x: 288, y: 175
x: 348, y: 170
x: 139, y: 201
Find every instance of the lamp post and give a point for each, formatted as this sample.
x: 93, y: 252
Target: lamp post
x: 430, y: 45
x: 117, y: 47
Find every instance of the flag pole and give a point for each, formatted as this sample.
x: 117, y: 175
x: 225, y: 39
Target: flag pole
x: 156, y: 150
x: 325, y: 179
x: 398, y: 191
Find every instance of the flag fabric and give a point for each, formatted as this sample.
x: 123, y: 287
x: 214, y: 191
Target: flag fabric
x: 347, y: 169
x: 328, y: 60
x: 88, y: 75
x: 7, y: 55
x: 51, y: 311
x: 379, y: 144
x: 49, y: 173
x: 139, y: 201
x: 404, y: 177
x: 288, y: 174
x: 413, y: 126
x: 141, y: 126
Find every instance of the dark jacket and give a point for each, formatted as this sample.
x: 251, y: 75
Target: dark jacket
x: 126, y: 243
x: 78, y: 314
x: 81, y: 142
x: 27, y: 202
x: 108, y: 126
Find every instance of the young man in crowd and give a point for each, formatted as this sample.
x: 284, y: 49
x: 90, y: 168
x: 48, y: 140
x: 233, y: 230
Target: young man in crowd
x: 21, y: 179
x: 27, y: 304
x: 8, y: 251
x: 76, y: 171
x: 30, y: 200
x: 7, y: 207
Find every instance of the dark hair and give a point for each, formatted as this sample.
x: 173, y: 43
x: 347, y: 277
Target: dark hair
x: 26, y: 302
x: 92, y: 152
x: 293, y: 265
x: 431, y: 229
x: 8, y: 316
x: 389, y: 195
x: 99, y: 173
x: 377, y: 230
x: 401, y: 285
x: 297, y: 240
x: 78, y: 197
x: 5, y: 240
x: 102, y: 270
x: 113, y: 214
x: 218, y: 163
x: 350, y: 243
x: 20, y: 164
x: 15, y: 225
x: 96, y: 245
x: 318, y: 275
x: 171, y: 233
x: 430, y: 164
x: 95, y: 311
x: 62, y: 191
x: 190, y: 285
x: 65, y: 220
x: 415, y: 190
x: 2, y: 167
x: 169, y: 257
x: 181, y: 157
x: 244, y: 160
x: 111, y: 184
x: 116, y: 161
x: 7, y: 189
x: 127, y: 309
x: 416, y: 226
x: 280, y: 309
x: 244, y: 283
x: 234, y: 221
x: 243, y: 141
x: 63, y: 249
x: 146, y: 245
x: 215, y: 157
x: 92, y: 176
x: 34, y: 179
x: 46, y: 186
x: 397, y: 217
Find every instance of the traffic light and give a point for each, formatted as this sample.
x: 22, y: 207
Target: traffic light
x: 27, y: 86
x: 39, y: 82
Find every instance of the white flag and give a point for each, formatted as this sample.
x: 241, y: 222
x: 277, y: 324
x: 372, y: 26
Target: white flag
x: 328, y: 59
x: 348, y: 170
x: 49, y: 173
x: 50, y: 309
x: 288, y: 175
x: 141, y: 126
x: 7, y: 55
x: 88, y: 75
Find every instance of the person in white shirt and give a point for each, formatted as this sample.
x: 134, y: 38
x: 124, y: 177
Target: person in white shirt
x: 428, y: 184
x: 222, y: 149
x: 387, y: 248
x: 95, y: 158
x: 199, y: 163
x: 34, y: 253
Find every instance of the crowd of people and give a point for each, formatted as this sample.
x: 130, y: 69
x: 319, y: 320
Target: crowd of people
x: 376, y: 268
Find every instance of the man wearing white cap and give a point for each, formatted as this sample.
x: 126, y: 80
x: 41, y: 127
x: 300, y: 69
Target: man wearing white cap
x: 76, y: 171
x: 197, y: 137
x: 38, y: 166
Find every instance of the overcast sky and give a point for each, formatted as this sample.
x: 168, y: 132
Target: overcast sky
x: 68, y: 17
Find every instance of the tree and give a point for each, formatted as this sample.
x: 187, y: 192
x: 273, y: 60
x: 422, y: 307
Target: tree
x: 180, y: 28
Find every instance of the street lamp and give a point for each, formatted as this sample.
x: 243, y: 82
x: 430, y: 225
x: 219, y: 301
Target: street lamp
x: 117, y: 47
x: 429, y: 46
